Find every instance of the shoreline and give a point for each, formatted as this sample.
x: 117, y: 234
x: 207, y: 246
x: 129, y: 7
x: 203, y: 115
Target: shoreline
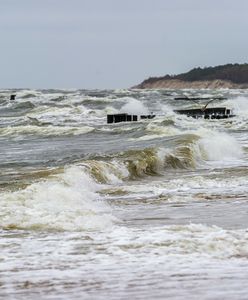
x: 180, y: 84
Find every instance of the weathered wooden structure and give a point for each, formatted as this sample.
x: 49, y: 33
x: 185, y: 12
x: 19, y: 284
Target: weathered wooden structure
x: 117, y: 118
x: 199, y: 98
x: 207, y: 113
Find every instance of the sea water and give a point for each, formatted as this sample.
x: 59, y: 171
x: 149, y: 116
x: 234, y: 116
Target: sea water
x: 154, y: 209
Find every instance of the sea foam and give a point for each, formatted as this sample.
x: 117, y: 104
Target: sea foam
x: 219, y: 146
x: 66, y: 202
x: 134, y: 107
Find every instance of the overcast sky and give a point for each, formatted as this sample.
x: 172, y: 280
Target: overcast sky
x: 115, y: 43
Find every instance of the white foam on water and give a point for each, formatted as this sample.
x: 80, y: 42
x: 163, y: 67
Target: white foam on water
x: 134, y: 107
x: 164, y: 110
x: 187, y: 189
x: 110, y: 110
x: 147, y: 137
x: 239, y: 105
x: 162, y: 130
x: 154, y: 131
x: 236, y: 92
x: 49, y: 130
x: 219, y: 146
x: 23, y: 93
x: 58, y: 114
x: 66, y: 202
x: 183, y: 240
x: 166, y: 262
x: 70, y: 115
x: 212, y: 145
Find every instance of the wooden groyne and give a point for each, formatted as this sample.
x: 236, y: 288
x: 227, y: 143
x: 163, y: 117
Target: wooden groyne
x: 117, y: 118
x: 207, y: 113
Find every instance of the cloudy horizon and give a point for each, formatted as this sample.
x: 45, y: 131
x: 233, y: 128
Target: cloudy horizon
x: 115, y: 44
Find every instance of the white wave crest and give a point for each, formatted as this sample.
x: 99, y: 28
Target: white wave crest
x: 219, y: 146
x: 134, y: 107
x: 239, y: 105
x: 66, y: 202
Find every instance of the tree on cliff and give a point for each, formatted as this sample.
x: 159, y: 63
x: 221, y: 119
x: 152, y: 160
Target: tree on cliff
x: 236, y: 73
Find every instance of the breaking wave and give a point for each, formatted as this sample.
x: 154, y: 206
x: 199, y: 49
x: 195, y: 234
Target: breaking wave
x: 134, y: 107
x: 64, y: 202
x: 73, y: 201
x: 220, y: 146
x: 188, y: 151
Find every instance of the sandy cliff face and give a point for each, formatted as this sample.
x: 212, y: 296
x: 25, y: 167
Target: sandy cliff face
x: 179, y: 84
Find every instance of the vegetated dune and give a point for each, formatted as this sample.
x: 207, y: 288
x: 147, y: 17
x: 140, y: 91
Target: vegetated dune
x: 232, y: 76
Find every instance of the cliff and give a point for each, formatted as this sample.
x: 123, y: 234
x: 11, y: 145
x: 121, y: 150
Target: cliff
x: 233, y: 76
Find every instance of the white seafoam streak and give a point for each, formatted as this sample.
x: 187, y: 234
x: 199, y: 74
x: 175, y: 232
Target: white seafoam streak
x: 45, y: 130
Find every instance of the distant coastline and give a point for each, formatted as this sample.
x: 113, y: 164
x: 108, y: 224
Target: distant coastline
x: 230, y: 76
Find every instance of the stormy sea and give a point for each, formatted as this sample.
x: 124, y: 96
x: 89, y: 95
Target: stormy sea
x: 153, y: 209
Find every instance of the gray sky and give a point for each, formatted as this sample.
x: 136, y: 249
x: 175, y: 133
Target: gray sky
x: 115, y: 43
